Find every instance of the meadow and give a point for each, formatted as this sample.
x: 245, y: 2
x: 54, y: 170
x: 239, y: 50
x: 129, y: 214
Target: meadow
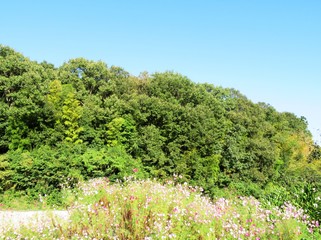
x: 148, y: 209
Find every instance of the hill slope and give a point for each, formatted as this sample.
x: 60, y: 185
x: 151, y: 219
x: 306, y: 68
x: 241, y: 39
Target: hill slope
x: 85, y: 119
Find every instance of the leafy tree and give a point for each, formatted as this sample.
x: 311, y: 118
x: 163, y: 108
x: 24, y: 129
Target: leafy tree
x: 315, y: 154
x: 23, y: 84
x: 71, y: 113
x: 120, y: 132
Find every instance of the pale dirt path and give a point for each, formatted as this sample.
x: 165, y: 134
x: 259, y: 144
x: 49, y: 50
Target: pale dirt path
x: 39, y: 219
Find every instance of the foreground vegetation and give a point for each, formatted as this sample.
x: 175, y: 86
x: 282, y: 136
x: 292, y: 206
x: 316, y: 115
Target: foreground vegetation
x: 149, y: 210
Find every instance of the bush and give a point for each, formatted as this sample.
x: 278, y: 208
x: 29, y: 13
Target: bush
x: 275, y: 195
x: 308, y: 197
x: 245, y: 188
x: 112, y: 162
x: 46, y: 170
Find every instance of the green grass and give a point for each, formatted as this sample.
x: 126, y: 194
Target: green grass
x: 10, y: 201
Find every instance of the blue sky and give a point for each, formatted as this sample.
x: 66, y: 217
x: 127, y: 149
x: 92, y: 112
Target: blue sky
x: 269, y: 50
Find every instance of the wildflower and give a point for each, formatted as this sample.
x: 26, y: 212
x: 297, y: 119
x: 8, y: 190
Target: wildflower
x: 172, y: 235
x: 176, y: 210
x: 132, y: 198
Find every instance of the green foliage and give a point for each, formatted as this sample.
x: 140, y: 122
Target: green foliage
x: 23, y: 85
x: 46, y: 170
x: 275, y: 195
x: 66, y: 111
x: 40, y: 171
x: 304, y: 195
x: 153, y: 157
x: 246, y: 188
x: 315, y: 153
x: 308, y: 197
x: 85, y: 119
x: 199, y: 171
x: 113, y: 162
x: 71, y: 113
x: 5, y: 172
x: 120, y: 132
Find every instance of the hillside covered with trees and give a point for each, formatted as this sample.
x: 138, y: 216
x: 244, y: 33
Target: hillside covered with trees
x: 85, y: 119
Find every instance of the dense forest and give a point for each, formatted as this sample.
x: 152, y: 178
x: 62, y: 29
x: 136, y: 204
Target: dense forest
x: 85, y: 119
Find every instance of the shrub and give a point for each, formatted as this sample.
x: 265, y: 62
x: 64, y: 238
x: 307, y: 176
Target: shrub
x: 46, y: 170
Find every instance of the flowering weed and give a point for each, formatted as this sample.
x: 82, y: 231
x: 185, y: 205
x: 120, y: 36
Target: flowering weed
x: 147, y: 209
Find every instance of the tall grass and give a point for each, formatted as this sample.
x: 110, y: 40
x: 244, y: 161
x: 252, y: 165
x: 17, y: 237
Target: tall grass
x: 147, y: 209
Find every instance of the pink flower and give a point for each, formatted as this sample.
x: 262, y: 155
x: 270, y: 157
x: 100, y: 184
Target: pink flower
x: 135, y: 170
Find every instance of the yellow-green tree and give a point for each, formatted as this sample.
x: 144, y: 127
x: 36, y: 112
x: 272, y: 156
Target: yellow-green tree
x: 66, y: 110
x: 71, y: 113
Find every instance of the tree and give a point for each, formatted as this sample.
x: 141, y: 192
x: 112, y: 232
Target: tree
x: 23, y: 85
x: 71, y: 113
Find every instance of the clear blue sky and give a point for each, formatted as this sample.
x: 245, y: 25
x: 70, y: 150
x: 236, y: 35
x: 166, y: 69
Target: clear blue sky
x: 270, y: 50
